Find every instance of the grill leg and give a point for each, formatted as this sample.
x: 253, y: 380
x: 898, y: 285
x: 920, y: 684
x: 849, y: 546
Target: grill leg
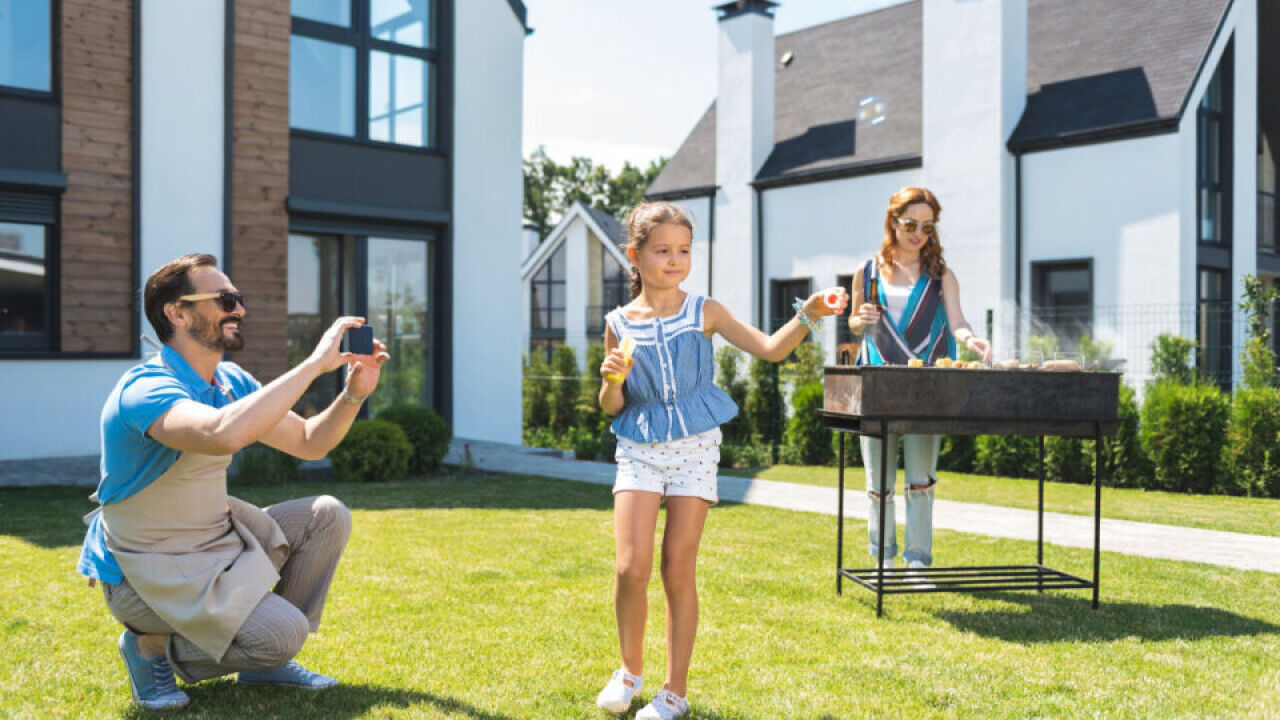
x: 840, y: 521
x: 884, y: 470
x: 1040, y: 525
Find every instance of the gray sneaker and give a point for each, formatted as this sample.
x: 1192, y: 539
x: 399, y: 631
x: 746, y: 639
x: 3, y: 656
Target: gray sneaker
x: 150, y: 679
x: 290, y: 674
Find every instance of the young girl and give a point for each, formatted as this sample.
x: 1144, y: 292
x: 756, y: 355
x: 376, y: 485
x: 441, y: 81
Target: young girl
x: 909, y: 307
x: 668, y: 427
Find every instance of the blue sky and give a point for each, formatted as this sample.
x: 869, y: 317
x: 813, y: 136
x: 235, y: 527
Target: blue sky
x: 625, y: 80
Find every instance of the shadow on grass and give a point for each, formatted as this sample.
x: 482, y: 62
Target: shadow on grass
x: 228, y: 700
x: 51, y: 516
x: 1055, y: 618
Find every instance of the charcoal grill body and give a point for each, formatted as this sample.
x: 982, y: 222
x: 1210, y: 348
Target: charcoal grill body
x: 881, y: 400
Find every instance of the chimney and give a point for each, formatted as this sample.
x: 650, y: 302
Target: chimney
x: 974, y: 91
x: 744, y: 139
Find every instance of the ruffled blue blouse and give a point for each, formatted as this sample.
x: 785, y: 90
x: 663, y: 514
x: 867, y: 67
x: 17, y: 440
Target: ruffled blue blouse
x: 671, y: 391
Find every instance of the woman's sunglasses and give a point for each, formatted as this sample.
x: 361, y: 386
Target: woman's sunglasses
x: 909, y: 225
x: 227, y: 300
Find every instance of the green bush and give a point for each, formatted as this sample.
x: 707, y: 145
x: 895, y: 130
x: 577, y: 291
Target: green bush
x: 537, y: 393
x: 1007, y: 456
x: 1125, y: 463
x: 1066, y: 460
x: 1171, y: 360
x: 588, y: 405
x: 808, y: 440
x: 584, y: 443
x: 958, y: 453
x: 542, y: 437
x: 1253, y: 440
x: 373, y: 450
x: 259, y: 464
x: 427, y: 432
x: 564, y: 389
x: 745, y: 455
x: 728, y: 366
x: 762, y: 406
x: 1183, y: 432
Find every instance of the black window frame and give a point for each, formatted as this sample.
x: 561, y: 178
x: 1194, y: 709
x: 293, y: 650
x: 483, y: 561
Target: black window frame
x: 615, y: 291
x: 547, y: 336
x: 1214, y: 316
x: 1220, y: 116
x: 359, y: 36
x: 37, y: 209
x: 782, y: 295
x: 1268, y: 245
x: 1044, y: 308
x: 55, y: 63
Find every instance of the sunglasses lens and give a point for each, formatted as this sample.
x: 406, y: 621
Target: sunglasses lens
x: 230, y: 300
x: 909, y: 225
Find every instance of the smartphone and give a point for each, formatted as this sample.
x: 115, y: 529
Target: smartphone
x: 360, y: 340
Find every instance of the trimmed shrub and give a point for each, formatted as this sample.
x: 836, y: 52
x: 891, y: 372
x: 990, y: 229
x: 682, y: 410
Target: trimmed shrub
x: 1125, y: 463
x: 761, y: 404
x: 1253, y: 441
x: 373, y: 450
x: 808, y: 440
x: 728, y: 366
x: 745, y: 455
x: 427, y: 432
x: 537, y: 394
x: 1171, y: 360
x: 259, y: 464
x: 1007, y: 456
x: 1065, y: 460
x: 958, y: 453
x: 584, y: 443
x: 589, y: 412
x: 564, y: 389
x: 1183, y: 432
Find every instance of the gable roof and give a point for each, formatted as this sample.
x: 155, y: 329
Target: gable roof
x: 1095, y: 68
x: 605, y: 227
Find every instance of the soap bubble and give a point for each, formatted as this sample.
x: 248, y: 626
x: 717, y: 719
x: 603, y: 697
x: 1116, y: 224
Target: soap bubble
x: 872, y: 110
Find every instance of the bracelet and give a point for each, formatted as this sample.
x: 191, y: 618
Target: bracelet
x: 350, y: 399
x: 814, y: 328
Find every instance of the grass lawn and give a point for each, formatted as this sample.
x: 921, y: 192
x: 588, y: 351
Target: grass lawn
x: 488, y: 598
x: 1255, y: 516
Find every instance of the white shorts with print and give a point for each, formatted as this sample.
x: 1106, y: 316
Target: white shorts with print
x: 683, y: 467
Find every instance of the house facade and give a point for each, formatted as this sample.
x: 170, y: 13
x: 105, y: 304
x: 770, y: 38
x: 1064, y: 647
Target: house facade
x: 337, y: 156
x: 1105, y: 169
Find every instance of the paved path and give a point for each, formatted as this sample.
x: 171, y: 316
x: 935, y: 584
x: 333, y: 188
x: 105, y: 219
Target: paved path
x: 1214, y: 547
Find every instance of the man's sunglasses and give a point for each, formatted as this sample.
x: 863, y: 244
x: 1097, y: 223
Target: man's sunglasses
x: 909, y: 225
x: 227, y: 300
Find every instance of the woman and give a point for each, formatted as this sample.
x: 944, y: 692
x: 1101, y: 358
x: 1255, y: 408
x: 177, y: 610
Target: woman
x: 908, y: 308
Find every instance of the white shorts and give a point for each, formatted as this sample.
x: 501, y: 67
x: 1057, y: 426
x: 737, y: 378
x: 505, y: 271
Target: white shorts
x: 683, y: 467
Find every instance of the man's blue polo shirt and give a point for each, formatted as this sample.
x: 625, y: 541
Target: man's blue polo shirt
x: 131, y: 459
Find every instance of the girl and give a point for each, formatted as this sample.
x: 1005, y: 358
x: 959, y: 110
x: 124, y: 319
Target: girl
x: 909, y: 308
x: 669, y: 413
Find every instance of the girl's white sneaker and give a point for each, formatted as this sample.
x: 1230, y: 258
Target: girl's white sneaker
x: 666, y: 705
x: 616, y: 695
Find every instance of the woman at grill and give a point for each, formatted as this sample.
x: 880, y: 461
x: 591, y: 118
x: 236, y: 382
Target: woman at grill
x: 908, y: 308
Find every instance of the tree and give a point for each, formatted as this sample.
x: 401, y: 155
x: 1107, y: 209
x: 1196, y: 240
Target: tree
x: 550, y: 188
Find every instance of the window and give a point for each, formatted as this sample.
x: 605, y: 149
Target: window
x: 1213, y: 325
x: 364, y: 69
x: 1267, y: 176
x: 388, y: 280
x: 26, y: 45
x: 847, y: 344
x: 1213, y: 158
x: 27, y: 284
x: 782, y: 295
x: 610, y: 288
x: 546, y: 304
x: 1062, y: 301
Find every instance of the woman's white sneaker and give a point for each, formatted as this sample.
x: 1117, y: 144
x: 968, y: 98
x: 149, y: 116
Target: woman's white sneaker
x: 616, y: 696
x: 666, y: 705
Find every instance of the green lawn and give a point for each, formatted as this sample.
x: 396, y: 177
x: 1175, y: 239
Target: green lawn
x: 1256, y: 516
x: 488, y: 598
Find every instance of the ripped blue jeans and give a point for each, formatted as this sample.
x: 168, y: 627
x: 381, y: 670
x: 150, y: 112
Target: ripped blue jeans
x: 920, y: 456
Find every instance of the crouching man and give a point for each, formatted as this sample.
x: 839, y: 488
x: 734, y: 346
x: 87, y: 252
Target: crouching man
x: 204, y: 583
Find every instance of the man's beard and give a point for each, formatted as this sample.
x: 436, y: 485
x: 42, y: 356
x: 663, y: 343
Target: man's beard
x: 211, y: 336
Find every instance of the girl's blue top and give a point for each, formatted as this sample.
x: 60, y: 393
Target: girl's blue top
x: 670, y: 392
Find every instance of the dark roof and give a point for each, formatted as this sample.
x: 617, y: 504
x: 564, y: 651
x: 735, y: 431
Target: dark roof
x: 608, y: 223
x: 1095, y: 68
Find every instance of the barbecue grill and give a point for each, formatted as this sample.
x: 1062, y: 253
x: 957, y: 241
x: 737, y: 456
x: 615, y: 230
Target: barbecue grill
x: 879, y: 400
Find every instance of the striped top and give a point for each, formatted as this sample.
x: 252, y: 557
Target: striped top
x: 920, y: 331
x: 670, y: 392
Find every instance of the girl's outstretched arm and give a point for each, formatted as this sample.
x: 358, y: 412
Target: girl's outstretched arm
x: 775, y: 347
x: 613, y: 367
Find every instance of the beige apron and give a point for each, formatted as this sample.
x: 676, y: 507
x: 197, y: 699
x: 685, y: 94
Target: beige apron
x: 202, y: 560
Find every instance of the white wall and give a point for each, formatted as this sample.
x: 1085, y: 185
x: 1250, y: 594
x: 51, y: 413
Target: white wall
x: 61, y: 403
x: 1118, y: 204
x: 821, y: 230
x: 576, y: 287
x: 487, y: 202
x: 182, y: 131
x: 699, y: 280
x: 1244, y: 188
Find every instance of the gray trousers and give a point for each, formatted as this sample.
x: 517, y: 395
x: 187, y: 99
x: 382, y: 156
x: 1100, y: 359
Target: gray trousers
x: 317, y: 529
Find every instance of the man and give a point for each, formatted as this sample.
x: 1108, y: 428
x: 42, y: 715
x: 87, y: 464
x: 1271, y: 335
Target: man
x: 204, y: 583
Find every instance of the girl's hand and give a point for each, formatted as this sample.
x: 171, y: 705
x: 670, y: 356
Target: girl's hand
x: 816, y: 306
x: 980, y: 346
x: 869, y: 313
x: 616, y: 367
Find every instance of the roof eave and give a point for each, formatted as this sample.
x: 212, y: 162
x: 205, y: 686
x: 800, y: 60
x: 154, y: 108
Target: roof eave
x: 1126, y: 131
x: 847, y: 170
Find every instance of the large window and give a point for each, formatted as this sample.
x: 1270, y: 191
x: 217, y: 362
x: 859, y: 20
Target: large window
x: 782, y: 296
x: 1213, y: 325
x: 26, y: 45
x: 1062, y: 301
x: 1213, y: 161
x: 610, y: 288
x: 1267, y: 177
x: 546, y: 305
x: 388, y: 280
x: 364, y: 69
x: 27, y: 283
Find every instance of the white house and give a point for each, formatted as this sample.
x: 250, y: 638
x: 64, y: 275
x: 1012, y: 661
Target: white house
x: 1104, y: 167
x: 358, y: 157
